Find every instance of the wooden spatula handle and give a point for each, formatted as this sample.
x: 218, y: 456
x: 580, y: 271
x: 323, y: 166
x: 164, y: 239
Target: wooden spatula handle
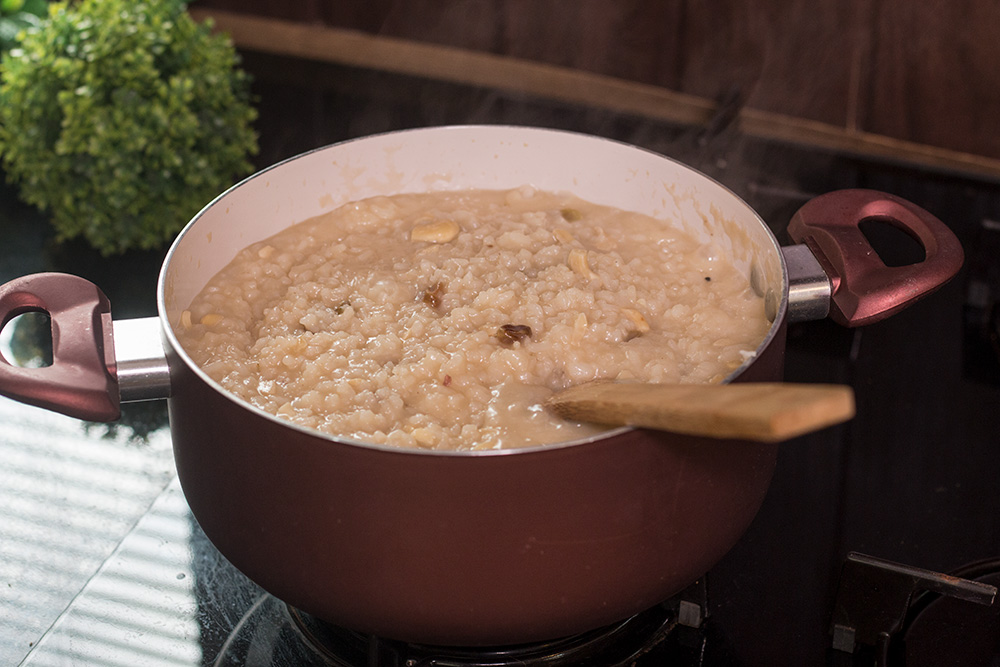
x: 766, y: 412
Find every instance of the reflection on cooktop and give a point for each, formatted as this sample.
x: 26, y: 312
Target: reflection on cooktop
x: 167, y: 597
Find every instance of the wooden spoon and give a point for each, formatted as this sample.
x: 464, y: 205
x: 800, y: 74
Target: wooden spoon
x: 763, y: 411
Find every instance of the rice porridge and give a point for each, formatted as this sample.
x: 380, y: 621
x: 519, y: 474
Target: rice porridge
x: 443, y: 320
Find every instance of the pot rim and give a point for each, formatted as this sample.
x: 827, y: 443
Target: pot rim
x: 177, y: 350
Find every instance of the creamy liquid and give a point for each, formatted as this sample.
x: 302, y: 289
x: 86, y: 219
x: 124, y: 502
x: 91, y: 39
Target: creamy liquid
x: 443, y: 320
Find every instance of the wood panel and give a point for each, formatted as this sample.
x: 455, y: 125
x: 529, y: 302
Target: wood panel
x: 886, y: 78
x: 786, y: 56
x: 460, y: 65
x: 633, y: 39
x: 793, y: 57
x: 306, y: 11
x: 638, y: 40
x: 935, y: 73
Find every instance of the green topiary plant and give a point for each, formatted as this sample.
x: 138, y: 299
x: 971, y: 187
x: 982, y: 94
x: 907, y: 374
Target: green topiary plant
x: 15, y: 16
x: 122, y: 118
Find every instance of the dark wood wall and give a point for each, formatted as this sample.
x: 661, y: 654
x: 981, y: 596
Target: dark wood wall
x: 925, y: 71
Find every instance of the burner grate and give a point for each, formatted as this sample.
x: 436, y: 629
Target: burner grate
x: 888, y: 614
x: 274, y: 633
x: 620, y: 644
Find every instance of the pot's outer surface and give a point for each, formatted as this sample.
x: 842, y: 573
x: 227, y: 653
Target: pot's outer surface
x: 464, y: 548
x: 470, y: 548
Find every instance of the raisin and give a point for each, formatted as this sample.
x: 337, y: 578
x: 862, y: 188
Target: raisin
x: 432, y: 296
x: 509, y: 334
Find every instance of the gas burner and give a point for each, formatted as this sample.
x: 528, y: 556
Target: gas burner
x: 944, y: 632
x: 893, y: 615
x: 620, y: 644
x: 273, y: 633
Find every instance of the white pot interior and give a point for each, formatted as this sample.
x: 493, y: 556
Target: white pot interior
x: 464, y: 157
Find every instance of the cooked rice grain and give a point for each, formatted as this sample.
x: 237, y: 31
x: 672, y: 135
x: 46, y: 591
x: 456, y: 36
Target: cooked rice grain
x: 379, y: 321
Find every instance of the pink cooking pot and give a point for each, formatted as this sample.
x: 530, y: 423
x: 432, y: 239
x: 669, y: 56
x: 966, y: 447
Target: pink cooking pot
x: 469, y: 548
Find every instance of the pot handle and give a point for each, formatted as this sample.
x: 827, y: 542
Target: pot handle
x: 865, y: 290
x: 81, y: 382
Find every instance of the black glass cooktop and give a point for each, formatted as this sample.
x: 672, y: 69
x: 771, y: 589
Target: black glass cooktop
x: 102, y: 564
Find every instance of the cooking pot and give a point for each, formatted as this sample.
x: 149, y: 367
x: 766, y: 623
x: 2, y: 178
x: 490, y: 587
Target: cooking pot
x: 470, y: 548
